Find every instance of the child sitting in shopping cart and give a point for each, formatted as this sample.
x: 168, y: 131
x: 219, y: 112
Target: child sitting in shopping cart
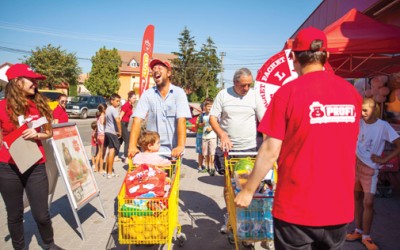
x: 149, y: 142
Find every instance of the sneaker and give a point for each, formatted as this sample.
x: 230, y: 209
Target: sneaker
x: 369, y: 244
x: 221, y: 171
x: 223, y: 229
x: 109, y: 176
x: 353, y: 236
x: 212, y: 172
x: 203, y: 170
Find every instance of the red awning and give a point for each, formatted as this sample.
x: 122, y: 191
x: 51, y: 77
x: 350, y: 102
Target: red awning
x: 360, y: 46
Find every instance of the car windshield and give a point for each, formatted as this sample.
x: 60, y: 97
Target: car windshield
x: 80, y: 99
x: 51, y: 95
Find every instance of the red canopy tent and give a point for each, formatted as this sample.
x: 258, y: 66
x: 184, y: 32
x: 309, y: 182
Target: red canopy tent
x: 360, y: 46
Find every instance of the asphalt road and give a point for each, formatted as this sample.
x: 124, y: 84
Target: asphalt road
x: 84, y: 128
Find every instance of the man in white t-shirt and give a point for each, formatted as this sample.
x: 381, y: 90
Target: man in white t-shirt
x: 234, y: 116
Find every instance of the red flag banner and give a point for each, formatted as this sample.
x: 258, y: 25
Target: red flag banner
x: 146, y: 55
x: 275, y: 72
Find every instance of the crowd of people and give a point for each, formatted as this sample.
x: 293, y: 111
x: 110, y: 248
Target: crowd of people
x: 313, y: 149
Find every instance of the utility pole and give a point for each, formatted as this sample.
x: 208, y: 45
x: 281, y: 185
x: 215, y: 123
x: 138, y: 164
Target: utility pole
x: 222, y: 54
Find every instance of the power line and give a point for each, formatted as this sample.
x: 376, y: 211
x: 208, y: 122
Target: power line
x: 226, y: 66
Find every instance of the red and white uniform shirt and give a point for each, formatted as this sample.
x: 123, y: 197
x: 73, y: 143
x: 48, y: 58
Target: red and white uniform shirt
x: 317, y: 118
x: 7, y: 126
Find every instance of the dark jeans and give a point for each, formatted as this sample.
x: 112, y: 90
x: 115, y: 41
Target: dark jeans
x: 34, y: 182
x: 288, y: 236
x: 125, y: 137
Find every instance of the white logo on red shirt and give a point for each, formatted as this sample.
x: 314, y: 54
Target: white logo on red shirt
x: 332, y: 113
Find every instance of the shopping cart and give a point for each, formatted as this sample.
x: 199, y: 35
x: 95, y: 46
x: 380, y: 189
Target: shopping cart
x: 254, y: 223
x: 151, y: 220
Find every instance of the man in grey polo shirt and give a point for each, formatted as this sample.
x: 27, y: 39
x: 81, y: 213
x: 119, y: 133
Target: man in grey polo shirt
x: 166, y: 108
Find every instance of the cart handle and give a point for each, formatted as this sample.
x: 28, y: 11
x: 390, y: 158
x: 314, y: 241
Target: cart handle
x: 227, y: 153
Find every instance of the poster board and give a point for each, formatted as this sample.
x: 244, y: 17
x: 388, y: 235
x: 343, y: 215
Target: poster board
x: 74, y: 165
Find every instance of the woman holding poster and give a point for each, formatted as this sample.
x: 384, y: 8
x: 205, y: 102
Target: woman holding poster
x: 22, y: 104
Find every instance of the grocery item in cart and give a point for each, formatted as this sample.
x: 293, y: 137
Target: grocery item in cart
x: 144, y: 179
x: 255, y: 222
x: 244, y: 164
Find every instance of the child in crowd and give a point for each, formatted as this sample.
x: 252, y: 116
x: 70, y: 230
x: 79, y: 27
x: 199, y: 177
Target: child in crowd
x: 209, y: 143
x: 94, y: 144
x: 199, y: 141
x: 112, y: 133
x: 149, y: 142
x: 101, y: 123
x: 373, y: 134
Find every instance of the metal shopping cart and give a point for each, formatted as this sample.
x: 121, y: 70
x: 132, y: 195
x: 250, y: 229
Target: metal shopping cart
x: 254, y: 223
x: 151, y: 220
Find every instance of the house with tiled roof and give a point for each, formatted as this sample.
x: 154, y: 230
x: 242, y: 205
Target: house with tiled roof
x: 129, y: 71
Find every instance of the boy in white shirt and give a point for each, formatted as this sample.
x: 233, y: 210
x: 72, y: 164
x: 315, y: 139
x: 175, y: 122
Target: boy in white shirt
x: 373, y: 134
x: 209, y: 143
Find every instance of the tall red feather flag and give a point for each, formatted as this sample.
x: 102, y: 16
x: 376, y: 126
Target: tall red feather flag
x: 146, y: 55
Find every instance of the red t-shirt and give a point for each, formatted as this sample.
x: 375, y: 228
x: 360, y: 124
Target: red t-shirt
x: 127, y: 108
x: 317, y: 118
x: 60, y: 114
x: 7, y: 126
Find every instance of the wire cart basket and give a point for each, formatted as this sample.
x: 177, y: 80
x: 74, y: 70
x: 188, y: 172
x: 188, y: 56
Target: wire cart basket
x: 151, y: 220
x: 251, y: 224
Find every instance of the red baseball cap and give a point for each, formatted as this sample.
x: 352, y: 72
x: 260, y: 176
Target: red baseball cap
x: 22, y: 70
x: 306, y: 36
x: 158, y: 61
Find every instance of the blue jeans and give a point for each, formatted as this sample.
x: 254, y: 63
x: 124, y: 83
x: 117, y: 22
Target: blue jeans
x: 34, y: 182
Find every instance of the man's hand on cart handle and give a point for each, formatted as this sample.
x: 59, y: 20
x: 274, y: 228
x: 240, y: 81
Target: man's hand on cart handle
x: 132, y: 152
x: 226, y: 144
x: 177, y: 152
x: 243, y: 198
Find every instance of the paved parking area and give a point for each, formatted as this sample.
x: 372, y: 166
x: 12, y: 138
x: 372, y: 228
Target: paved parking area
x: 201, y: 209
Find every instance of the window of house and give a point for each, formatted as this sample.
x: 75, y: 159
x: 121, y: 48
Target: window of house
x: 134, y: 64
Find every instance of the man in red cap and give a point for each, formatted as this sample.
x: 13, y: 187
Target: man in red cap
x: 312, y: 126
x: 166, y: 108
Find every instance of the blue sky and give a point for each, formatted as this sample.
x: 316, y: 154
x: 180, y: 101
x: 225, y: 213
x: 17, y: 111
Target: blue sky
x: 248, y: 31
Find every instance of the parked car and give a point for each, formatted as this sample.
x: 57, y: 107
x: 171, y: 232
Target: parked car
x: 52, y: 97
x: 84, y: 106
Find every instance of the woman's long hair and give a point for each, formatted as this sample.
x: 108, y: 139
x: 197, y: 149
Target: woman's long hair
x: 17, y: 103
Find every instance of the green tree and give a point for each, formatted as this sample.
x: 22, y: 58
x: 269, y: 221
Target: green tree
x: 209, y: 67
x: 104, y: 76
x: 57, y: 65
x: 185, y: 65
x: 196, y: 71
